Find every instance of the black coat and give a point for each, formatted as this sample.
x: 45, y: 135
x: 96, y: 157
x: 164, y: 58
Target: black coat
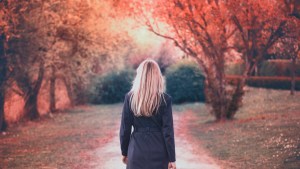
x: 151, y: 144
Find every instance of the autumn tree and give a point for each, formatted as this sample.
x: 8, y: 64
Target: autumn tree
x: 30, y: 50
x: 26, y: 51
x: 292, y: 41
x: 202, y: 30
x: 4, y: 71
x: 54, y: 39
x: 289, y: 45
x: 263, y: 26
x: 209, y: 31
x: 85, y: 44
x: 260, y: 24
x: 3, y: 76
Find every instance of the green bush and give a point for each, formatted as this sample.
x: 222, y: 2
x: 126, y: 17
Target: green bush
x: 112, y: 87
x: 185, y: 82
x: 266, y: 82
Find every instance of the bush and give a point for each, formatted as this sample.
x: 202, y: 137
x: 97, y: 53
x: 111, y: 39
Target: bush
x: 267, y: 82
x: 185, y: 82
x: 112, y: 87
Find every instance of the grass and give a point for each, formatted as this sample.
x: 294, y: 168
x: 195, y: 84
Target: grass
x: 265, y: 133
x: 63, y: 141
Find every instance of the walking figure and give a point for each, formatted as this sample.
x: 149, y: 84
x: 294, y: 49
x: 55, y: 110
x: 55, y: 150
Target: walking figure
x: 148, y: 109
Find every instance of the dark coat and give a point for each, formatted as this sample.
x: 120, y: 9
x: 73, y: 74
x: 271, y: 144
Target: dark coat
x: 151, y: 144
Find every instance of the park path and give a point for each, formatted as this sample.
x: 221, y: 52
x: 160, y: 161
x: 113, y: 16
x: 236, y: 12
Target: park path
x: 186, y: 157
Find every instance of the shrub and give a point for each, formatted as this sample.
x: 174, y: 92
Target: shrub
x: 112, y: 87
x: 266, y: 82
x: 185, y: 82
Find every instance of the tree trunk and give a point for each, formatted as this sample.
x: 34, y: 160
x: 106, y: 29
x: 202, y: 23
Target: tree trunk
x: 52, y: 107
x: 69, y: 91
x: 293, y: 83
x: 3, y: 123
x: 3, y: 69
x: 215, y: 93
x: 30, y: 108
x: 238, y: 93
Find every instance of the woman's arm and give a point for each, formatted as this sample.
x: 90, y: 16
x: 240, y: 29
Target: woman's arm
x: 126, y: 125
x: 168, y: 130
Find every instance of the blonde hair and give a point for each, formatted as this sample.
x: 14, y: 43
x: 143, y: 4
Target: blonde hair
x: 147, y: 89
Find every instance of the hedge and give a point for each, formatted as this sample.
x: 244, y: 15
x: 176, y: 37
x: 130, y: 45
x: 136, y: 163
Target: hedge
x: 270, y: 82
x: 278, y: 67
x: 185, y: 82
x: 112, y: 87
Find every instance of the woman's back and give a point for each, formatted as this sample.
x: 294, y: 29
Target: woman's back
x: 143, y: 121
x: 151, y: 144
x: 148, y: 110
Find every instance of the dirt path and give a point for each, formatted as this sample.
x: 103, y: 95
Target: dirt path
x: 187, y: 158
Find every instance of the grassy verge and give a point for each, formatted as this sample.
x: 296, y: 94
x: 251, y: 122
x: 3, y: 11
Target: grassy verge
x: 63, y: 141
x: 265, y: 133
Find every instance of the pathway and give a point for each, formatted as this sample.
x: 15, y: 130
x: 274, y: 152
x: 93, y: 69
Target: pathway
x: 110, y: 158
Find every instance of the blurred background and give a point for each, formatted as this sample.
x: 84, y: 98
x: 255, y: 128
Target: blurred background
x: 232, y: 69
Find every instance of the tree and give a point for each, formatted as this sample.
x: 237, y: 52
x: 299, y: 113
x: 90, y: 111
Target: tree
x: 209, y: 30
x: 3, y: 76
x: 293, y: 50
x: 202, y: 30
x: 85, y: 44
x: 54, y: 39
x: 260, y: 25
x: 289, y: 49
x: 289, y: 45
x: 27, y: 46
x: 3, y: 70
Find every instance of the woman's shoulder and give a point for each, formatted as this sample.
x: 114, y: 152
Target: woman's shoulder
x: 167, y: 98
x: 128, y: 94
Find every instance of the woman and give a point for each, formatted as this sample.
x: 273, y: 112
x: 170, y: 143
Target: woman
x: 149, y: 110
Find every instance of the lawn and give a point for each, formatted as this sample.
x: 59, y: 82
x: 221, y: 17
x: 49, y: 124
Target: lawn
x: 265, y: 133
x: 65, y: 140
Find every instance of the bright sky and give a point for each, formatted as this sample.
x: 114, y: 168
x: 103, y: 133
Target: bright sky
x: 141, y: 35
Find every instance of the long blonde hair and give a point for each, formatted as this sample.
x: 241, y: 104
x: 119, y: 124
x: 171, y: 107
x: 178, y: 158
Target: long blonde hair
x: 147, y: 89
